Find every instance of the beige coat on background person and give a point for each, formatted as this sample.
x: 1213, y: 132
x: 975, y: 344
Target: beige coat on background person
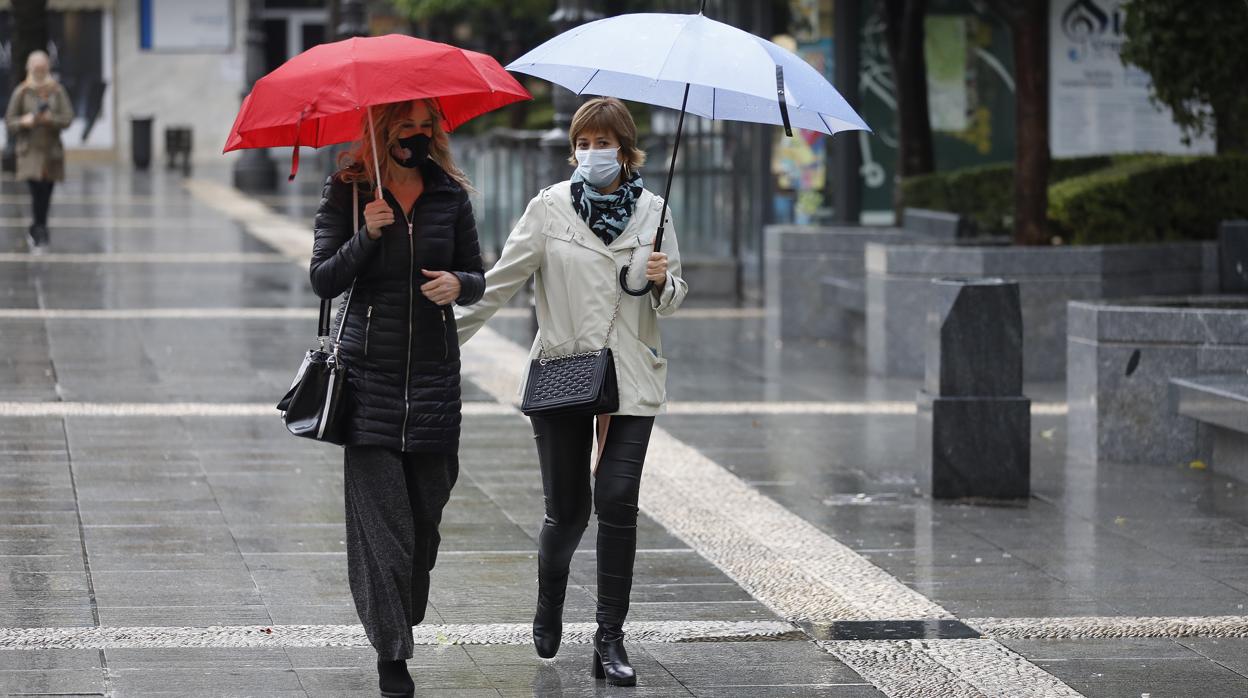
x: 577, y: 284
x: 40, y: 154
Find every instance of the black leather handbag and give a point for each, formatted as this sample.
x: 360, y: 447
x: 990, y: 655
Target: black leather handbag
x: 313, y: 406
x: 576, y: 384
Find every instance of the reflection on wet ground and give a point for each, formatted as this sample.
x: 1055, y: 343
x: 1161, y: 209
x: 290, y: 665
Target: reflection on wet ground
x: 196, y: 521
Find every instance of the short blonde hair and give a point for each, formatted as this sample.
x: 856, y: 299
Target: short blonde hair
x: 610, y: 115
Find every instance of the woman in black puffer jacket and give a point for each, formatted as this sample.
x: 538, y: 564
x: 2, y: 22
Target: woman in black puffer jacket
x: 415, y: 255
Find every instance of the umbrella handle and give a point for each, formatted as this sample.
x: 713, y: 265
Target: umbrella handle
x: 372, y: 133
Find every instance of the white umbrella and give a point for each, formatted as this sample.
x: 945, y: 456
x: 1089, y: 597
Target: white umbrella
x: 694, y: 64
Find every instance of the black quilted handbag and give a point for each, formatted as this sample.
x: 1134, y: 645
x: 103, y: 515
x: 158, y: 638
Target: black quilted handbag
x: 573, y: 385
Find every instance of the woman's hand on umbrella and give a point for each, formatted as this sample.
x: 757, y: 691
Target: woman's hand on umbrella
x: 377, y: 215
x: 656, y: 269
x: 442, y: 288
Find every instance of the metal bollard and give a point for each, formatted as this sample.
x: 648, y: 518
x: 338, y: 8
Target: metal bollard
x: 974, y: 422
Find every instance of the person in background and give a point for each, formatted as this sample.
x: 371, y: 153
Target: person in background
x: 39, y: 110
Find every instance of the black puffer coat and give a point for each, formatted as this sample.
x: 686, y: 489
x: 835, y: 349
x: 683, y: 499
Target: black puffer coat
x: 400, y: 349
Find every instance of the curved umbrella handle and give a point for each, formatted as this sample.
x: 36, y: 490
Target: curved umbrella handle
x: 624, y: 284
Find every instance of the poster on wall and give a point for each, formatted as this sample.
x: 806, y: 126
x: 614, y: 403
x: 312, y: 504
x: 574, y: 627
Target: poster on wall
x: 186, y: 25
x: 80, y: 46
x: 1098, y: 105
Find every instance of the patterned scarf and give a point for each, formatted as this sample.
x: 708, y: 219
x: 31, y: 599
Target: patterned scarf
x: 606, y: 214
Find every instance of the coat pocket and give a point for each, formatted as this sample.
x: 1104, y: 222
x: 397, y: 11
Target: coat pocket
x: 368, y: 327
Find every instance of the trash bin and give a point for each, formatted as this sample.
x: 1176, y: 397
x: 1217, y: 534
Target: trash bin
x: 141, y: 141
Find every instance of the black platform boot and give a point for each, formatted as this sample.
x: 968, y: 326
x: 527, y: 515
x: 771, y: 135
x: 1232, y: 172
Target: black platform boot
x: 393, y: 679
x: 552, y: 588
x: 610, y: 657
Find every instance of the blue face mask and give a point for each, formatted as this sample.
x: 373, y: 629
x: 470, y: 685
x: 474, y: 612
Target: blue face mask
x: 598, y: 167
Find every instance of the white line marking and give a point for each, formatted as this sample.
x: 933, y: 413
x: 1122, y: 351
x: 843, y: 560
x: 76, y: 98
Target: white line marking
x: 184, y: 409
x: 277, y: 230
x: 685, y: 313
x: 157, y: 313
x: 1093, y: 627
x: 881, y: 407
x: 947, y: 668
x: 353, y: 635
x: 143, y: 258
x: 92, y: 225
x: 213, y: 409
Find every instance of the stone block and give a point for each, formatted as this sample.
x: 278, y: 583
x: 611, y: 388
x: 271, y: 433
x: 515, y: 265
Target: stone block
x: 1121, y: 359
x: 974, y: 339
x: 1233, y: 256
x: 1048, y: 278
x: 974, y: 447
x: 940, y: 225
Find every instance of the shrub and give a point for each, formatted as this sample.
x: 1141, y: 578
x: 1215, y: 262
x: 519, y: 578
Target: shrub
x: 985, y: 193
x: 1151, y: 199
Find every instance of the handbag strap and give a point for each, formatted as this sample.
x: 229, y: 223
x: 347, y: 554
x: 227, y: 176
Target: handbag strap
x: 541, y: 346
x: 340, y: 320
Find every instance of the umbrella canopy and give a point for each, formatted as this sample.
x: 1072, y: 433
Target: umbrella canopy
x: 694, y: 64
x: 731, y: 74
x: 319, y: 97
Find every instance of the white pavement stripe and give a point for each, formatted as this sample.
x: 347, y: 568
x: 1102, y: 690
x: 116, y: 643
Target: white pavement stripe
x: 278, y: 231
x: 1096, y: 627
x: 875, y: 407
x: 948, y: 669
x: 353, y: 635
x: 184, y: 409
x: 782, y: 560
x: 114, y: 223
x: 143, y: 258
x: 156, y: 313
x: 213, y: 409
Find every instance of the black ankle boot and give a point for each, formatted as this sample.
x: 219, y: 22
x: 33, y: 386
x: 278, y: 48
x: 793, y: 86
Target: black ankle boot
x: 394, y: 680
x: 610, y: 657
x: 547, y: 627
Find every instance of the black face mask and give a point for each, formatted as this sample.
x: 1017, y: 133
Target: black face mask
x: 417, y: 148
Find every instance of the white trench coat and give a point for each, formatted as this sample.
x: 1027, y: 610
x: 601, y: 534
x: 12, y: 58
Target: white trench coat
x: 577, y: 284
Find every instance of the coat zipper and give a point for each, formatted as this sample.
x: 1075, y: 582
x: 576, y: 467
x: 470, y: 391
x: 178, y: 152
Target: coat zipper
x: 368, y: 326
x: 407, y: 379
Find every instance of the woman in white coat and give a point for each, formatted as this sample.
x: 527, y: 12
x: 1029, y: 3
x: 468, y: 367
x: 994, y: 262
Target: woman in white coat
x: 574, y: 238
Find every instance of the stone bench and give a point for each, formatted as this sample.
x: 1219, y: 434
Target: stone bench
x: 1219, y: 402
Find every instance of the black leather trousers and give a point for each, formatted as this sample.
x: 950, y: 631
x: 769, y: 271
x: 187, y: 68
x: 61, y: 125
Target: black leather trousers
x: 564, y: 449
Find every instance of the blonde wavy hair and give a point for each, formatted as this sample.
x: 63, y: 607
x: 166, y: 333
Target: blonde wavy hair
x: 356, y: 164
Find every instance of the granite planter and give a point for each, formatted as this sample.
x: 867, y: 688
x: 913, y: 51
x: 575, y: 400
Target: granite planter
x: 1122, y: 356
x: 898, y: 279
x: 814, y: 278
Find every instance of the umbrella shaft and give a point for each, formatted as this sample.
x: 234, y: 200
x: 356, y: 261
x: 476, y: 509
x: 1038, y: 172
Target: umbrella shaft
x: 671, y: 170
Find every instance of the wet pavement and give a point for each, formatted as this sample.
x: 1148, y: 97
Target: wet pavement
x: 156, y: 520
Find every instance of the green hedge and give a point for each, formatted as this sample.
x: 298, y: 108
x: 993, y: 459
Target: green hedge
x: 1101, y: 199
x: 985, y: 193
x: 1151, y: 199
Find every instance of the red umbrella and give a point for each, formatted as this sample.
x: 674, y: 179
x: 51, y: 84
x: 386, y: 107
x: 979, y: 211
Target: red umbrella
x: 319, y: 97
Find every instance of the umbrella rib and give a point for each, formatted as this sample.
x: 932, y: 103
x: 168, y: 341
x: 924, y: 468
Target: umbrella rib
x: 591, y: 79
x: 659, y: 75
x: 831, y: 130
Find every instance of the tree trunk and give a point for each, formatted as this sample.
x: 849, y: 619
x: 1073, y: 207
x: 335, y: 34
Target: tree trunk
x: 1230, y: 124
x: 904, y: 32
x: 30, y: 33
x: 1029, y: 24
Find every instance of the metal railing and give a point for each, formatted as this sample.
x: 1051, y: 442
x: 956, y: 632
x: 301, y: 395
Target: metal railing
x: 719, y: 198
